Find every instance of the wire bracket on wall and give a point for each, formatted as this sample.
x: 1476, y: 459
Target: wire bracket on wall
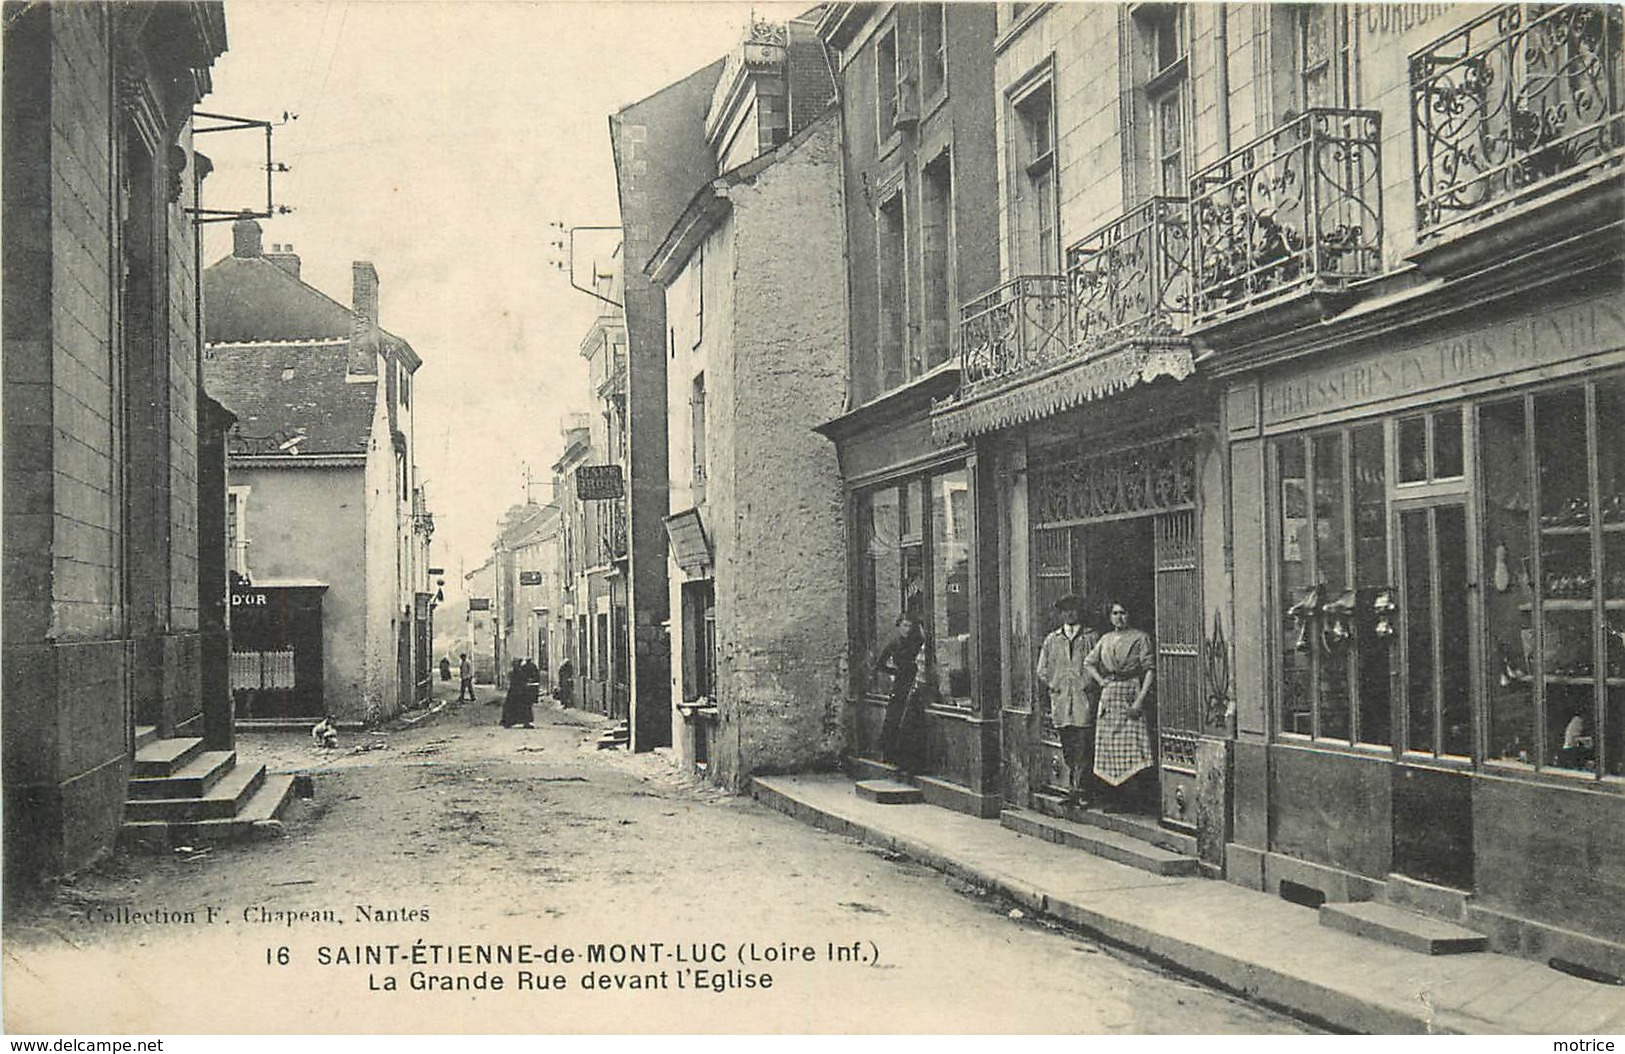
x: 220, y: 122
x: 565, y: 245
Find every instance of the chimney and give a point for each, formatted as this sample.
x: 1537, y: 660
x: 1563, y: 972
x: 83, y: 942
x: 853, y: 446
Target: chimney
x: 364, y: 299
x: 283, y: 256
x: 364, y: 338
x: 246, y: 240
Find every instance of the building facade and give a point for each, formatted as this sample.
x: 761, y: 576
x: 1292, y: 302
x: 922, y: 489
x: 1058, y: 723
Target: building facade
x: 757, y: 358
x: 659, y: 154
x: 522, y: 539
x: 1421, y: 392
x: 1306, y: 349
x: 480, y: 639
x: 333, y: 609
x: 593, y: 615
x: 921, y: 199
x: 110, y: 442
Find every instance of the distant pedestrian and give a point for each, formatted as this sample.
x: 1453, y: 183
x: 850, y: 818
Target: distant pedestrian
x: 566, y: 686
x: 516, y: 705
x: 465, y: 670
x: 1073, y: 694
x: 1124, y: 662
x: 445, y: 668
x: 902, y: 658
x: 533, y: 685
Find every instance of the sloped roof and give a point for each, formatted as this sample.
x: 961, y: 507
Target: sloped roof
x: 280, y: 391
x: 250, y: 299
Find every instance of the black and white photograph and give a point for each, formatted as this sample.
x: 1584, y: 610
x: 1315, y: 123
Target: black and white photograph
x: 547, y: 518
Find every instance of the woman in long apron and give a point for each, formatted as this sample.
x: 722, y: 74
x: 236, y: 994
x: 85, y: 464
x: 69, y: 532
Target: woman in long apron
x: 1124, y: 662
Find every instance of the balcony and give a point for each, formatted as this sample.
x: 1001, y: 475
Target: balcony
x: 1020, y: 327
x: 1131, y: 278
x: 1515, y: 106
x: 1042, y: 344
x: 1297, y: 210
x: 615, y: 534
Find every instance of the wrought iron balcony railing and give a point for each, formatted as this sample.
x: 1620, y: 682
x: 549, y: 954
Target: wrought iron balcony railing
x: 1019, y: 326
x: 1299, y: 207
x: 615, y: 537
x: 1515, y: 104
x: 1132, y: 277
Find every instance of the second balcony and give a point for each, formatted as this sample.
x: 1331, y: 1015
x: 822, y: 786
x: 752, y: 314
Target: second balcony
x: 1296, y: 210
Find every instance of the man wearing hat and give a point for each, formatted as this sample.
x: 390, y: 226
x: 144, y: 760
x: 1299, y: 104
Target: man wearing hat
x: 1072, y: 694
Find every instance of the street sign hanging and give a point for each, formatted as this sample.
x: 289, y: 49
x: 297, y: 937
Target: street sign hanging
x: 599, y: 482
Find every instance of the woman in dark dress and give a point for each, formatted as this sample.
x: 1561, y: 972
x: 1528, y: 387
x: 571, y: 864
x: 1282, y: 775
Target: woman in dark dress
x: 516, y: 707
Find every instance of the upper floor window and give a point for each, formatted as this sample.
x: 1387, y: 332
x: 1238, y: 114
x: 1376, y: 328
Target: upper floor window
x: 406, y: 389
x: 886, y: 80
x: 1312, y: 58
x: 933, y: 49
x: 1323, y: 45
x: 1166, y: 79
x: 936, y: 257
x: 1037, y: 226
x: 696, y: 407
x: 892, y: 281
x: 696, y: 295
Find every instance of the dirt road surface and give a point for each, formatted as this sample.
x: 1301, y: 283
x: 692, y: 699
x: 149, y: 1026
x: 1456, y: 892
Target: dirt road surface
x: 440, y: 856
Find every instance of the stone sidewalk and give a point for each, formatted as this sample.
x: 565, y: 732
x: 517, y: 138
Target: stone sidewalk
x: 1246, y: 942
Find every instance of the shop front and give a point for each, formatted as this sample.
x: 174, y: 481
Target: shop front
x: 916, y: 549
x: 1429, y: 530
x: 277, y: 650
x: 1106, y: 502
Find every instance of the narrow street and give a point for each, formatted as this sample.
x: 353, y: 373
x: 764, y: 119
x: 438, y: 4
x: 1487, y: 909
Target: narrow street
x: 456, y: 832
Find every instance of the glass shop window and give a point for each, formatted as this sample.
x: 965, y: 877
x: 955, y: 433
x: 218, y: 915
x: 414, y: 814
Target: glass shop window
x: 1330, y: 515
x: 1430, y: 447
x: 914, y: 550
x: 1554, y: 578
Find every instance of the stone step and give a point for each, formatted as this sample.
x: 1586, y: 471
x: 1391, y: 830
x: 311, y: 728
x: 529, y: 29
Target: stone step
x: 1134, y: 825
x: 888, y: 792
x: 164, y: 757
x: 268, y: 803
x: 193, y: 780
x: 1099, y: 841
x: 224, y: 800
x: 1405, y: 929
x: 1427, y: 898
x: 145, y: 734
x: 869, y: 769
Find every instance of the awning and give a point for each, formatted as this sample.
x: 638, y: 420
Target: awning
x: 1016, y: 401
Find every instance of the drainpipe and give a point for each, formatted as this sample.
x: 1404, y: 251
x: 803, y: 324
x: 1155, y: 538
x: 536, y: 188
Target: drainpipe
x: 1222, y: 42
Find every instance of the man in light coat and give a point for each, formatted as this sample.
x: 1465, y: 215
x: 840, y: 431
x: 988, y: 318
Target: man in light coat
x: 1073, y: 694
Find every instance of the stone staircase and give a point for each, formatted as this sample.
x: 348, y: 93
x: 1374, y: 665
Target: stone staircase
x: 181, y: 794
x: 1124, y: 838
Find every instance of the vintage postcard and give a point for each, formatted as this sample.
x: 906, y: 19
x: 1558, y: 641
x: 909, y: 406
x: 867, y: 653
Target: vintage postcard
x: 547, y: 518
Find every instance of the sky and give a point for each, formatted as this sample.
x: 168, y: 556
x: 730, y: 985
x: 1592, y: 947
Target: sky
x: 441, y: 139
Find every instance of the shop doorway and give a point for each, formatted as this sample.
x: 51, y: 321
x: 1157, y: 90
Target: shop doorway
x: 1151, y: 565
x: 276, y: 652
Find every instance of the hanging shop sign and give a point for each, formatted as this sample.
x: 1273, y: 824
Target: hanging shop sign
x: 599, y: 482
x: 689, y: 546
